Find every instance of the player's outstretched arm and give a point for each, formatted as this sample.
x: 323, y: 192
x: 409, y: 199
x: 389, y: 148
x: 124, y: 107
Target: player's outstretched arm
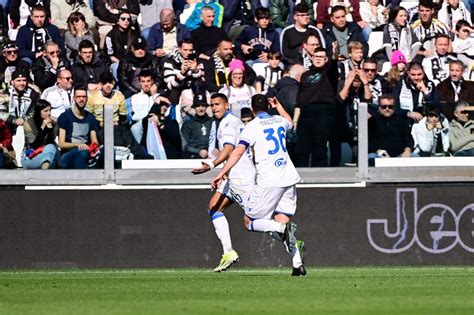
x: 274, y: 103
x: 207, y: 165
x: 231, y: 161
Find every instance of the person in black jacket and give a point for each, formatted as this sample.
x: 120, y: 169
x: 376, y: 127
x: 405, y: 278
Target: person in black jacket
x: 33, y: 36
x: 9, y: 62
x: 389, y: 133
x: 195, y: 132
x: 343, y: 32
x: 316, y: 109
x: 46, y: 68
x: 133, y: 63
x: 89, y: 66
x: 14, y: 9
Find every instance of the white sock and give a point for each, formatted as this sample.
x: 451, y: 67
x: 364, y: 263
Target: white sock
x: 222, y: 230
x: 296, y: 257
x: 266, y: 225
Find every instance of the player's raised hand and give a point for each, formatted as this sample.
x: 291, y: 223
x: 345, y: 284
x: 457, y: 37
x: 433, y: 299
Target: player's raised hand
x: 204, y: 168
x: 273, y: 101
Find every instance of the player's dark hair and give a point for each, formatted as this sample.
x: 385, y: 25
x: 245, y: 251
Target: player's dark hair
x: 220, y: 95
x: 259, y: 103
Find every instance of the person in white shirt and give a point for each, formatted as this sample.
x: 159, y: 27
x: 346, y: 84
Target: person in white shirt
x: 463, y: 44
x: 453, y: 11
x: 374, y: 14
x: 240, y: 181
x: 60, y: 94
x: 142, y: 102
x: 275, y: 192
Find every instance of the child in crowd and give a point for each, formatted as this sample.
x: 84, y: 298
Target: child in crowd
x: 356, y: 56
x: 463, y: 44
x: 269, y: 74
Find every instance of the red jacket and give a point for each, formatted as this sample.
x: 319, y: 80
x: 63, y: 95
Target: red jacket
x: 5, y: 135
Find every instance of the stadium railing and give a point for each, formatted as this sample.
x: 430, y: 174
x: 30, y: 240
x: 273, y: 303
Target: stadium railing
x: 177, y: 172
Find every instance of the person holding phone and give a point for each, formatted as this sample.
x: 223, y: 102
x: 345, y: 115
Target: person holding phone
x: 181, y: 69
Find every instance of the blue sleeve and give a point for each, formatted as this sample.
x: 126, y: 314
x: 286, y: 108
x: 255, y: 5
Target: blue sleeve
x: 153, y: 39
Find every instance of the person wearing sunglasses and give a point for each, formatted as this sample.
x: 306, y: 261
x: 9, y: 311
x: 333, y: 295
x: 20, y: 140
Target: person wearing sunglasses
x: 45, y: 69
x: 60, y: 94
x: 9, y: 61
x: 388, y: 132
x: 462, y: 130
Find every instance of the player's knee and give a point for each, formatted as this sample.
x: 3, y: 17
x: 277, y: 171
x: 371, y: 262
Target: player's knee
x: 247, y: 223
x: 282, y: 218
x: 215, y: 214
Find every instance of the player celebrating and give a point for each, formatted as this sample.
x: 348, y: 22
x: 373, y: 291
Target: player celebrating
x: 275, y: 192
x: 240, y: 181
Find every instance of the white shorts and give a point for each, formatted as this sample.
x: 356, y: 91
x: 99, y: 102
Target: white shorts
x: 236, y: 193
x: 265, y: 201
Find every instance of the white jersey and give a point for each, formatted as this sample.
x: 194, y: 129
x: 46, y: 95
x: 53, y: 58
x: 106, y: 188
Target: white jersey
x: 243, y: 173
x: 267, y: 135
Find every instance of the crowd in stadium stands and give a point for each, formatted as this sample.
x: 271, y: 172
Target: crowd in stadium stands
x: 157, y: 62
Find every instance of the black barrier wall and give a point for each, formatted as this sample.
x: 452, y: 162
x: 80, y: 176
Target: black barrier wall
x: 379, y: 225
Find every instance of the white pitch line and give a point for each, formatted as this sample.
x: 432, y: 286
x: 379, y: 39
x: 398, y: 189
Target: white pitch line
x: 187, y: 186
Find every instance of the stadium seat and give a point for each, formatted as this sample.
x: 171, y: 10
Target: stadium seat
x: 375, y: 42
x: 18, y: 144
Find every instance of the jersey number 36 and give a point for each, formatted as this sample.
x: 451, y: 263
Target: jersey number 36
x: 279, y: 142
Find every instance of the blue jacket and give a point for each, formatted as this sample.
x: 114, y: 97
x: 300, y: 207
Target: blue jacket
x: 155, y: 37
x: 260, y: 40
x: 24, y: 39
x: 194, y: 21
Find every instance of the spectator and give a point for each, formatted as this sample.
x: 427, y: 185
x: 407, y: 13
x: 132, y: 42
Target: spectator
x: 132, y: 64
x: 293, y: 36
x: 309, y: 46
x: 61, y: 10
x: 355, y: 90
x: 45, y: 68
x: 352, y: 8
x: 354, y: 61
x: 462, y: 131
x: 165, y: 36
x: 78, y: 30
x: 20, y: 10
x: 455, y: 89
x: 22, y: 100
x: 195, y: 132
x: 427, y: 27
x: 257, y: 40
x: 238, y: 15
x: 238, y: 93
x: 377, y: 83
x: 207, y: 36
x: 216, y: 69
x: 343, y: 32
x: 119, y: 40
x: 246, y: 116
x: 88, y: 66
x: 142, y: 102
x: 397, y: 71
x: 151, y: 13
x: 9, y: 62
x: 77, y: 133
x: 7, y: 155
x: 413, y: 91
x: 33, y: 36
x: 431, y: 134
x: 399, y: 36
x: 437, y: 66
x: 59, y: 96
x: 316, y: 109
x: 40, y: 139
x: 196, y: 17
x: 463, y: 44
x: 453, y: 11
x: 282, y: 12
x: 181, y: 69
x: 107, y: 96
x: 270, y: 74
x: 375, y: 14
x: 389, y: 133
x: 107, y: 12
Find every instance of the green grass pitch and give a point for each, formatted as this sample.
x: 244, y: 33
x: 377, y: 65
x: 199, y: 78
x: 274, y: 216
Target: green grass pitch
x: 430, y: 290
